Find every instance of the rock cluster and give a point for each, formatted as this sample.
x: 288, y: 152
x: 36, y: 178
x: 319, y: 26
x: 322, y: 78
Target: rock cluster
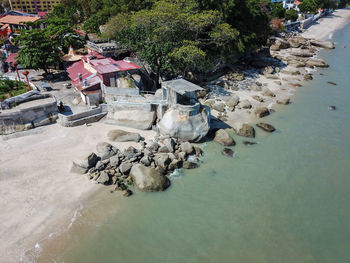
x: 146, y: 168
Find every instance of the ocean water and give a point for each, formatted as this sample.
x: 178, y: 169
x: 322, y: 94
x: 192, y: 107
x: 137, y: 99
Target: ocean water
x: 286, y: 199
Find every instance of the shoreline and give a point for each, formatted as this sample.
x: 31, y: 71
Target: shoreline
x: 34, y: 202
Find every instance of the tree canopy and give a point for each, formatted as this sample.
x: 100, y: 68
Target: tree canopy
x: 308, y: 6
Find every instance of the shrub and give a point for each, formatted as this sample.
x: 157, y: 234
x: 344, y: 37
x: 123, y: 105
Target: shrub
x: 292, y: 15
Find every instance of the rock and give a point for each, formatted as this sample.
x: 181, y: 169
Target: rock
x: 248, y: 143
x: 145, y: 160
x: 187, y: 148
x: 103, y: 178
x: 106, y: 150
x: 266, y: 127
x: 175, y: 164
x: 76, y: 168
x: 222, y: 137
x: 244, y: 130
x: 231, y: 101
x: 258, y: 98
x: 125, y: 168
x: 279, y: 83
x: 267, y: 70
x: 268, y: 93
x: 123, y: 136
x: 283, y: 101
x: 308, y: 76
x: 114, y: 161
x: 182, y: 156
x: 148, y: 179
x: 255, y: 87
x: 170, y: 144
x: 319, y: 63
x: 322, y: 44
x: 332, y: 83
x: 100, y: 166
x: 138, y: 119
x: 219, y: 106
x: 163, y: 149
x: 89, y: 161
x: 152, y: 146
x: 163, y: 161
x: 189, y: 165
x: 244, y: 104
x: 187, y: 125
x: 198, y: 151
x: 271, y: 76
x: 302, y: 53
x: 227, y: 152
x: 127, y: 193
x: 261, y: 112
x: 332, y: 108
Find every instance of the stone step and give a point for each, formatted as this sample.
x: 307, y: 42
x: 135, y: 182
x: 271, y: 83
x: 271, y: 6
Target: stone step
x: 82, y: 121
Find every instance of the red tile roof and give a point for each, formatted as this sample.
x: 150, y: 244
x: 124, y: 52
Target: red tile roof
x: 102, y: 66
x: 11, y: 58
x: 18, y: 20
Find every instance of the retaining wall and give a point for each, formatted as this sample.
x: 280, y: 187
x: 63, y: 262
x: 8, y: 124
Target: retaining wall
x: 82, y: 118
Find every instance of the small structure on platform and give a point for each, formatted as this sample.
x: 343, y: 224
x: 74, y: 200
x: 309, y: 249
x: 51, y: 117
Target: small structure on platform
x: 106, y: 49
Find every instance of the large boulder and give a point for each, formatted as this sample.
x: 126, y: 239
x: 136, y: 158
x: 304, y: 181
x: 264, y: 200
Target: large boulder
x: 222, y: 137
x: 244, y: 130
x: 268, y: 93
x: 138, y: 119
x: 244, y: 104
x: 302, y: 53
x: 123, y: 136
x: 187, y: 148
x: 103, y: 178
x: 316, y: 62
x: 170, y: 144
x: 219, y: 106
x: 106, y: 150
x: 189, y: 123
x: 148, y: 179
x: 162, y: 161
x: 323, y: 44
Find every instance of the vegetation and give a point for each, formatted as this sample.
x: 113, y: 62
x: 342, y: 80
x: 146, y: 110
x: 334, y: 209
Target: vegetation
x: 308, y: 6
x: 292, y: 15
x: 278, y: 11
x: 11, y: 88
x: 42, y: 48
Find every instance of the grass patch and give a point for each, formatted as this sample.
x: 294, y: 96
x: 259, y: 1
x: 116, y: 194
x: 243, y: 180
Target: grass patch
x: 11, y: 88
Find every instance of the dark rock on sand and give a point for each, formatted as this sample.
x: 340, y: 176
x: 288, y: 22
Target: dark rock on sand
x: 266, y: 127
x: 123, y: 136
x: 283, y: 101
x: 332, y: 107
x: 332, y: 83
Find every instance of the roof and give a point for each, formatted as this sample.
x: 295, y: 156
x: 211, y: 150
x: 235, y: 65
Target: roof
x: 181, y: 86
x: 43, y: 14
x: 11, y: 58
x: 18, y: 20
x: 296, y: 2
x: 109, y: 65
x: 4, y: 26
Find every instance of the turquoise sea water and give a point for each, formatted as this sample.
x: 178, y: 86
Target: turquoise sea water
x: 286, y: 199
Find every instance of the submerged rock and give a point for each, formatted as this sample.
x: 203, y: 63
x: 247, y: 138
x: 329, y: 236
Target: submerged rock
x: 262, y: 112
x: 222, y: 137
x: 332, y: 83
x: 148, y: 179
x: 248, y: 143
x: 227, y: 152
x: 332, y: 107
x: 266, y: 127
x: 189, y: 165
x: 244, y: 130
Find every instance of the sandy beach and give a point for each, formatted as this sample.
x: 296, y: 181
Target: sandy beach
x: 325, y: 26
x: 38, y: 194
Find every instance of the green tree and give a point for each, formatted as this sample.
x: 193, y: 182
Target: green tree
x: 171, y: 29
x: 308, y: 6
x: 278, y: 11
x: 292, y: 15
x: 37, y: 51
x: 93, y: 24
